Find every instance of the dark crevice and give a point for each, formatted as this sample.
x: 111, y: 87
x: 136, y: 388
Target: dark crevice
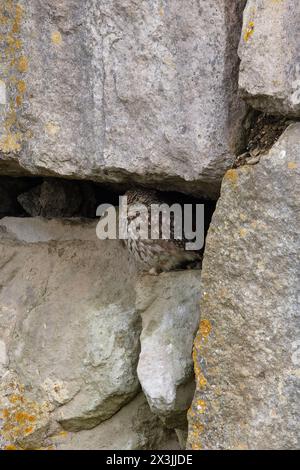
x: 262, y: 132
x: 65, y: 198
x: 52, y: 197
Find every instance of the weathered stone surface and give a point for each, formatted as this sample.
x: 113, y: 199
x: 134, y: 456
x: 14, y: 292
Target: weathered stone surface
x: 169, y: 307
x: 24, y: 421
x: 134, y: 427
x: 247, y: 347
x: 270, y: 56
x: 60, y: 198
x: 68, y: 324
x: 121, y: 89
x: 52, y: 199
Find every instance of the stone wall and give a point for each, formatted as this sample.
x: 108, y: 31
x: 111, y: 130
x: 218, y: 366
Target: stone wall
x: 199, y: 97
x: 121, y: 90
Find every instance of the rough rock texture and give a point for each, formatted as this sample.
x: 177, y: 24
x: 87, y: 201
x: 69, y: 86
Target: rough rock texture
x: 247, y: 348
x: 121, y: 90
x: 60, y: 198
x: 169, y: 308
x: 134, y: 427
x: 52, y: 199
x: 68, y: 323
x: 270, y: 56
x: 24, y: 421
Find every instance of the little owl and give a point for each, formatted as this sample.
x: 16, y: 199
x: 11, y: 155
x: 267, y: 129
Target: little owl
x: 155, y: 255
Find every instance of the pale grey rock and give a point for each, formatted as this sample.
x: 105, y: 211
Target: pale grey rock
x: 270, y: 56
x: 122, y: 90
x: 40, y: 230
x: 134, y: 427
x: 169, y: 306
x: 247, y: 348
x: 68, y: 318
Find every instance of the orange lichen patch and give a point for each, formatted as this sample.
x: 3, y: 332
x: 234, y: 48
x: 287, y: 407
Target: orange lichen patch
x: 15, y: 28
x: 12, y: 44
x: 205, y: 328
x: 292, y: 165
x: 194, y: 435
x: 28, y: 430
x: 201, y: 406
x: 231, y: 175
x: 196, y: 446
x: 11, y: 447
x: 21, y: 86
x: 19, y: 100
x: 201, y: 380
x: 249, y: 31
x: 56, y: 38
x: 5, y: 413
x: 23, y: 64
x: 19, y: 12
x: 21, y: 416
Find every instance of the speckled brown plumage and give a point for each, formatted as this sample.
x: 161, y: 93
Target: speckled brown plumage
x: 161, y: 254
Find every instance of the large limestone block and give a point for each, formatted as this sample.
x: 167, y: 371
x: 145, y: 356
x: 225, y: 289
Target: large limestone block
x: 270, y: 56
x: 122, y: 89
x: 169, y: 306
x: 134, y: 427
x: 68, y: 323
x: 247, y: 348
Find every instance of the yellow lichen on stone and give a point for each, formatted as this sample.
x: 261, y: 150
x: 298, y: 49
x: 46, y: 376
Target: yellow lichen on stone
x: 52, y: 128
x: 195, y: 435
x: 243, y: 232
x: 11, y: 447
x: 56, y: 38
x: 10, y: 142
x: 19, y: 100
x: 205, y: 328
x: 21, y: 86
x: 14, y: 63
x: 292, y: 165
x: 201, y: 381
x: 232, y: 176
x: 20, y: 416
x: 249, y: 31
x: 201, y: 406
x: 196, y: 446
x: 23, y: 64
